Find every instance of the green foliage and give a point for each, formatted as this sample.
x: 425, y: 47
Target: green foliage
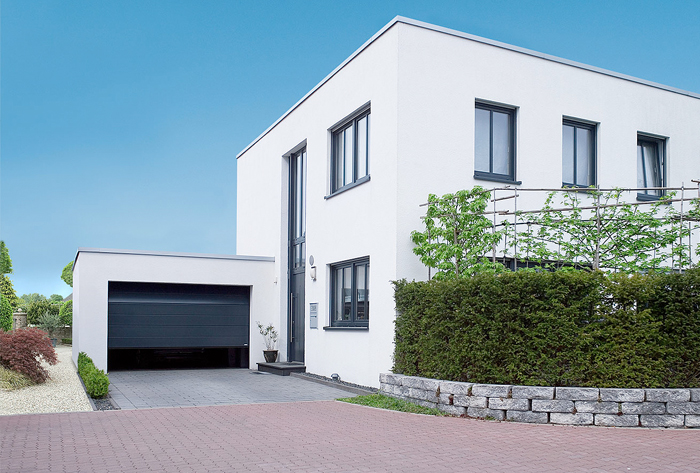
x: 26, y: 300
x: 8, y: 291
x: 270, y: 335
x: 56, y: 298
x: 66, y: 313
x: 11, y: 380
x: 38, y: 308
x: 67, y: 274
x: 5, y: 261
x: 96, y: 381
x: 385, y: 402
x: 5, y: 314
x: 457, y: 235
x: 563, y: 328
x: 67, y: 341
x: 49, y: 322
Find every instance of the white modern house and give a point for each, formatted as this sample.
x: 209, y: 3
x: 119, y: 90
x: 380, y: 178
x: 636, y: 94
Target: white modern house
x: 331, y: 191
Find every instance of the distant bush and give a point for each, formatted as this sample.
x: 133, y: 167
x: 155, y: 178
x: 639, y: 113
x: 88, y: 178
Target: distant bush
x: 67, y: 341
x: 38, y: 308
x: 563, y: 328
x: 96, y: 381
x: 66, y: 313
x: 22, y: 350
x: 5, y: 314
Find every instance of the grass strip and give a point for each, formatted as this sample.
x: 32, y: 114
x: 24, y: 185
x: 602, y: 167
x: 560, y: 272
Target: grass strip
x: 385, y: 402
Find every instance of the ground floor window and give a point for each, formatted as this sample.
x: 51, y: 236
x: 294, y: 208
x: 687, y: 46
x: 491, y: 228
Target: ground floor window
x: 350, y: 293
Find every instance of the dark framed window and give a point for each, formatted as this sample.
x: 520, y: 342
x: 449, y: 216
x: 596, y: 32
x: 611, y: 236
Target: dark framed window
x: 578, y: 146
x: 494, y: 143
x: 350, y: 293
x: 651, y: 167
x: 350, y: 151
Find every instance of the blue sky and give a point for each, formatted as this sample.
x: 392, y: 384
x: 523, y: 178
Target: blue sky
x: 121, y: 120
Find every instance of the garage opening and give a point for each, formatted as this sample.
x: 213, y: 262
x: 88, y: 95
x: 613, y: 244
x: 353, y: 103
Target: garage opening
x: 170, y: 326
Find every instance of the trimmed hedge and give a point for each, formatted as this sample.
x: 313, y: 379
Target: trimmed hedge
x: 96, y: 381
x: 564, y: 328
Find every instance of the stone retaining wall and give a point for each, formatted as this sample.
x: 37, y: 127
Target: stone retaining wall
x: 550, y: 405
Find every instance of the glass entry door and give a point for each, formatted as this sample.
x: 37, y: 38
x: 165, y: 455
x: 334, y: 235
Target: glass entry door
x: 297, y: 254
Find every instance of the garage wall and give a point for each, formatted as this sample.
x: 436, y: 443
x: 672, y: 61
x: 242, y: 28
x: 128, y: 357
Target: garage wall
x: 94, y: 268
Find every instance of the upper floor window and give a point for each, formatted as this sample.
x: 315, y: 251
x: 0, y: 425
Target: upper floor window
x: 494, y: 143
x: 651, y: 167
x: 350, y: 293
x: 350, y: 151
x: 578, y: 154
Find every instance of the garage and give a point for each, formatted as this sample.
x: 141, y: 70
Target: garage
x: 165, y: 325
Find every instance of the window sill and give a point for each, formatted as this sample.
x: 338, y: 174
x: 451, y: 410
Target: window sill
x: 346, y: 187
x: 362, y: 329
x: 648, y: 197
x: 485, y: 176
x: 578, y: 187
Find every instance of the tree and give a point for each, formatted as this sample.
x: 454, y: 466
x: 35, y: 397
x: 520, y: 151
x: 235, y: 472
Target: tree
x: 57, y: 298
x: 5, y: 314
x: 8, y: 291
x: 66, y: 313
x: 67, y: 274
x: 5, y: 261
x: 38, y: 308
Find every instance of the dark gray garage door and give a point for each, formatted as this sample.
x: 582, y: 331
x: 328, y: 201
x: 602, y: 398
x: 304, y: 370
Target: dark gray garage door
x: 157, y: 315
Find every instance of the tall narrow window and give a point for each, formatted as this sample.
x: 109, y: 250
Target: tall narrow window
x: 350, y: 151
x: 651, y: 167
x: 350, y: 293
x: 578, y: 154
x: 494, y: 143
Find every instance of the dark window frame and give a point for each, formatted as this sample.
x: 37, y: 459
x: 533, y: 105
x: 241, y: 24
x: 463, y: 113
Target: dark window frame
x: 660, y: 143
x: 353, y: 322
x: 593, y: 127
x: 336, y: 132
x: 512, y: 117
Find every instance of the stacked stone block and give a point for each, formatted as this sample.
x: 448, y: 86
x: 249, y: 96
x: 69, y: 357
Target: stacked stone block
x: 610, y: 407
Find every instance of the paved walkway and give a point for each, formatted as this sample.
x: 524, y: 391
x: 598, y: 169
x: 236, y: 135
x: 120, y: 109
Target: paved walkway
x: 326, y: 436
x: 212, y: 387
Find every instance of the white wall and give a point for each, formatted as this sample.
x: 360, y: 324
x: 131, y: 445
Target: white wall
x: 356, y: 223
x: 95, y: 268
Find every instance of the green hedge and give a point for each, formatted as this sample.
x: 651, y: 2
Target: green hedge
x: 5, y: 314
x: 96, y: 381
x: 565, y: 328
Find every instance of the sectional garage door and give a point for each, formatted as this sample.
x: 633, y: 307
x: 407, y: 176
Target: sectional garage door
x: 159, y: 315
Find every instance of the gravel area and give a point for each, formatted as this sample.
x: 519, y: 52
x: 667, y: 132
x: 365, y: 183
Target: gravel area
x: 62, y: 392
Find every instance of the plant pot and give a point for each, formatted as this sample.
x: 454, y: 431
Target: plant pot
x: 270, y: 356
x: 54, y: 341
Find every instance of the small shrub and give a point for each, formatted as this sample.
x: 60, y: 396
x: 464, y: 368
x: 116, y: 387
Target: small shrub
x: 5, y: 314
x: 22, y: 350
x: 49, y: 322
x: 10, y: 380
x: 66, y: 313
x: 38, y: 308
x: 96, y: 381
x: 67, y: 341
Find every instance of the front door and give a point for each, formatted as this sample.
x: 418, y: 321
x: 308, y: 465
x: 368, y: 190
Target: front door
x: 297, y: 254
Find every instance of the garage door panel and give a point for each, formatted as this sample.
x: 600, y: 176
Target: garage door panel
x: 158, y: 315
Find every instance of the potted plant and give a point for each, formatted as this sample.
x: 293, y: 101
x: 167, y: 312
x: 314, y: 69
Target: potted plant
x: 270, y: 335
x: 50, y: 323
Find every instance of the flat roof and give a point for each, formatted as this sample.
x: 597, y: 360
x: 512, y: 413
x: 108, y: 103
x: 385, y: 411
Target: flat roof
x: 471, y: 37
x: 170, y: 253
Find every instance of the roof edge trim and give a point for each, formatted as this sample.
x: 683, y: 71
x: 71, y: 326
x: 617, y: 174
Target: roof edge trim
x: 478, y: 39
x: 171, y: 253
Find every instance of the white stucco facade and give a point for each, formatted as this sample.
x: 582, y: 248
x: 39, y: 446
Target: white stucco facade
x: 422, y: 83
x: 95, y: 268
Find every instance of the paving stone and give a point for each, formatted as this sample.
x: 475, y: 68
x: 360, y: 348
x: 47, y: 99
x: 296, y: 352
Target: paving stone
x: 509, y: 404
x: 614, y: 420
x: 595, y: 407
x: 528, y: 417
x: 576, y: 394
x: 667, y: 395
x: 621, y: 395
x: 532, y: 392
x: 470, y: 401
x: 484, y: 413
x: 683, y: 408
x: 453, y: 410
x: 667, y: 420
x: 695, y: 395
x: 571, y: 419
x: 541, y: 405
x: 453, y: 387
x: 491, y: 390
x: 692, y: 421
x: 643, y: 408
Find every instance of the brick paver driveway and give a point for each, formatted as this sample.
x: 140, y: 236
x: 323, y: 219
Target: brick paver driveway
x: 188, y: 388
x: 325, y: 436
